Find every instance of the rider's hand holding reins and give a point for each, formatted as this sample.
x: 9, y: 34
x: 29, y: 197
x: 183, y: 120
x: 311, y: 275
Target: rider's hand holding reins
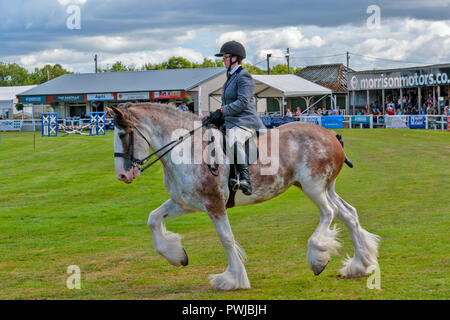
x: 216, y: 118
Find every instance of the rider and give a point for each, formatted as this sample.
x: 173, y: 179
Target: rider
x: 238, y: 109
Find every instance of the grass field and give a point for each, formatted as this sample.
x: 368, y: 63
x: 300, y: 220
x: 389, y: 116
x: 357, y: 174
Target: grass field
x: 61, y: 205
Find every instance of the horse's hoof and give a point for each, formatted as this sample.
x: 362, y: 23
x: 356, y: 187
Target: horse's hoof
x: 316, y: 273
x: 185, y: 261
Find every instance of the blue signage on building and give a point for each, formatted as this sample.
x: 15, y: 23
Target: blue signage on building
x: 32, y: 99
x: 69, y: 98
x: 332, y: 122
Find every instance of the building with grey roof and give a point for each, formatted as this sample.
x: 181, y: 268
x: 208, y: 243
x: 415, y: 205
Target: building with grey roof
x: 78, y: 94
x: 332, y: 76
x: 421, y: 88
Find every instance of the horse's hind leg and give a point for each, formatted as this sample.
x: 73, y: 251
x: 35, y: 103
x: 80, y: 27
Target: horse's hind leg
x: 322, y: 244
x: 364, y: 242
x: 166, y: 243
x: 235, y: 276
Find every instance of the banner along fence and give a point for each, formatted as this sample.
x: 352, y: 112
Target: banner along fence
x: 433, y: 122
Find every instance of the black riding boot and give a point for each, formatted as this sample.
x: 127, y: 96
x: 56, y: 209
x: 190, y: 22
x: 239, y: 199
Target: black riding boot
x: 245, y: 184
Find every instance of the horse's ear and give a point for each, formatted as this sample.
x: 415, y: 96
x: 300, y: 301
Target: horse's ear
x: 114, y: 111
x: 110, y: 111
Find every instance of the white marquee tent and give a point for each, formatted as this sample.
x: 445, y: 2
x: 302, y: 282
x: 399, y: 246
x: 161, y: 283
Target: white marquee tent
x: 284, y: 86
x: 8, y: 98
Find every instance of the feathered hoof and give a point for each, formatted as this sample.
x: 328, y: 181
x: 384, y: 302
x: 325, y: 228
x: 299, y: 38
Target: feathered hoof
x: 184, y: 262
x: 229, y: 281
x: 318, y: 270
x: 353, y: 268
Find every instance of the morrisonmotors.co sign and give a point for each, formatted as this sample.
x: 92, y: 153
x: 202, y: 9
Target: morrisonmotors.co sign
x: 398, y: 79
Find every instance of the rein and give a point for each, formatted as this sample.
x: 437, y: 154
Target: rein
x: 140, y: 162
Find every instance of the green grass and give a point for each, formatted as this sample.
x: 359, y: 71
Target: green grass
x: 61, y: 205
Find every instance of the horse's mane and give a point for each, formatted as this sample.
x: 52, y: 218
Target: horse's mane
x: 168, y: 108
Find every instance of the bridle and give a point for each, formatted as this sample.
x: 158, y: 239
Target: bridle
x: 138, y: 163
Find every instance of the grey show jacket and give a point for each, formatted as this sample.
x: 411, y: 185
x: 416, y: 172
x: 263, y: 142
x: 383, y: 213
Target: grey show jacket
x: 238, y: 102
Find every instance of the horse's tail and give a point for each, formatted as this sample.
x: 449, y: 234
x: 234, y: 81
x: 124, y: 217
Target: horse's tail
x: 346, y: 160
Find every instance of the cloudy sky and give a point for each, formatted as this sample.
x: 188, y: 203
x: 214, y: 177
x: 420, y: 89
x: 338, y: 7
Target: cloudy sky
x: 407, y: 33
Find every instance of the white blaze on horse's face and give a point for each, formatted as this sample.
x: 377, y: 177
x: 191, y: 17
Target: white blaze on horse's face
x: 125, y: 171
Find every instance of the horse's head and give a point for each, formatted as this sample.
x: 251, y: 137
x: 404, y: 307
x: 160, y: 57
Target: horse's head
x: 129, y: 145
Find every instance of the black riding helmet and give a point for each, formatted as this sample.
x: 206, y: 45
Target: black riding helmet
x: 232, y: 47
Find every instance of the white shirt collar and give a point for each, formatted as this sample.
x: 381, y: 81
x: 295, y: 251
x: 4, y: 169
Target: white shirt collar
x: 234, y: 69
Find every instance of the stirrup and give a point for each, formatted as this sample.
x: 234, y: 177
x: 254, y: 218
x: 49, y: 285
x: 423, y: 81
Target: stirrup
x: 235, y: 184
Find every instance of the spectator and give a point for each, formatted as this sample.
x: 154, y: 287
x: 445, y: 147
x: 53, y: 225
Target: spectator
x: 447, y: 111
x: 374, y: 105
x: 298, y: 113
x: 399, y: 112
x: 183, y: 106
x: 288, y: 112
x: 390, y: 105
x: 333, y: 111
x: 390, y: 111
x: 312, y: 111
x: 319, y: 112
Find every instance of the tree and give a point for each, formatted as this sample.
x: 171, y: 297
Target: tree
x: 177, y: 63
x: 281, y: 69
x: 219, y: 63
x: 12, y: 74
x: 118, y: 66
x: 207, y: 63
x: 149, y: 66
x: 48, y: 72
x: 253, y: 69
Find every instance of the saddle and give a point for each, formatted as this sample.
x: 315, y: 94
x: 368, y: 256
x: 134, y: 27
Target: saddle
x: 251, y: 156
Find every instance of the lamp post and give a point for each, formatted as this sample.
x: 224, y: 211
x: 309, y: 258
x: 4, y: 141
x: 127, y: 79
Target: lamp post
x: 268, y: 66
x: 287, y: 58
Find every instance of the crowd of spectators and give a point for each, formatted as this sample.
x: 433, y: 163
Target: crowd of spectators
x: 394, y: 105
x: 405, y: 105
x: 314, y: 112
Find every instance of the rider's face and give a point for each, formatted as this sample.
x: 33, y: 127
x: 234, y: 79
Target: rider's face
x: 227, y: 60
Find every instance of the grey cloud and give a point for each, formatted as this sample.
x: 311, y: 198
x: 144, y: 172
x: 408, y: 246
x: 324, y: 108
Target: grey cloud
x: 32, y: 26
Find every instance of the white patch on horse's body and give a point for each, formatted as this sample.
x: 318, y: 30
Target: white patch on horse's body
x: 311, y: 159
x: 261, y: 193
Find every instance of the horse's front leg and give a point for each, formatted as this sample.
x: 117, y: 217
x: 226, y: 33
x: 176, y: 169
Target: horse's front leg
x: 167, y: 243
x: 235, y: 276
